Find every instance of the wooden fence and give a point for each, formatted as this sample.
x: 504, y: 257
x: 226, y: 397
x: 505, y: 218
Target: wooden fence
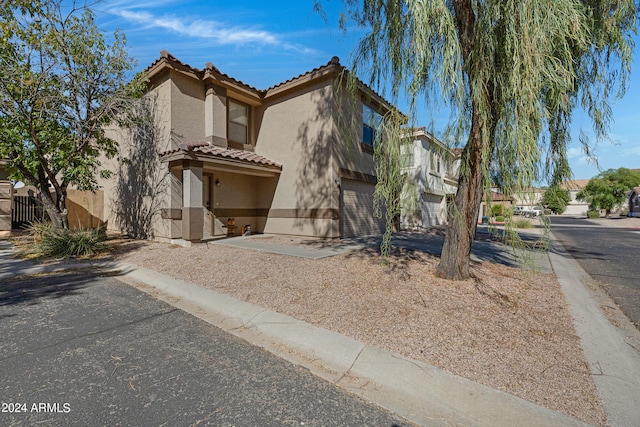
x: 26, y: 209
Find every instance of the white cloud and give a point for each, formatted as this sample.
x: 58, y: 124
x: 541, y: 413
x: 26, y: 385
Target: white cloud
x: 574, y: 152
x: 213, y: 31
x: 578, y: 157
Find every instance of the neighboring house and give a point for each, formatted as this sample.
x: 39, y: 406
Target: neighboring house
x: 634, y: 202
x: 432, y: 180
x: 494, y: 198
x: 530, y: 198
x: 575, y: 206
x: 219, y: 152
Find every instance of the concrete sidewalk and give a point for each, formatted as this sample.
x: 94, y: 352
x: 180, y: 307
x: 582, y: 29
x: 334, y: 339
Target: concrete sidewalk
x: 421, y: 393
x: 612, y: 351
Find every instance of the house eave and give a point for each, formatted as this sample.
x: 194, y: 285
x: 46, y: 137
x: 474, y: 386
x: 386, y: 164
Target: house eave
x: 224, y: 165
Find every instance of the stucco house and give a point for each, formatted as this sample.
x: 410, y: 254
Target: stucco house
x: 495, y: 197
x: 575, y: 206
x: 296, y: 158
x: 432, y: 180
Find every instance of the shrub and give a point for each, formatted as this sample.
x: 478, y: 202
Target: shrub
x: 497, y: 210
x: 522, y: 223
x: 593, y: 214
x: 55, y: 242
x: 499, y: 218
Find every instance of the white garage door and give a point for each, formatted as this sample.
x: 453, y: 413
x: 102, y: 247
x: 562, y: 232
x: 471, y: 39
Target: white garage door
x: 431, y: 210
x: 357, y: 210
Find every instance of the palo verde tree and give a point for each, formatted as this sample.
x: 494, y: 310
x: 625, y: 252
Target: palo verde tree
x: 512, y: 72
x: 609, y: 189
x: 62, y: 84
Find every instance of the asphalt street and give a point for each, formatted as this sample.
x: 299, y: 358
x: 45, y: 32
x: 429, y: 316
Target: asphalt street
x: 608, y: 254
x: 83, y: 349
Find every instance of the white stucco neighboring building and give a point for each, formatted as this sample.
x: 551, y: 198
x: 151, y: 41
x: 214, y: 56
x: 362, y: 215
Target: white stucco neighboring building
x: 432, y: 178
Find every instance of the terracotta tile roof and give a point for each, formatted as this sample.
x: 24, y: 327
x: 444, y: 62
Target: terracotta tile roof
x: 209, y: 67
x: 333, y: 63
x: 220, y: 152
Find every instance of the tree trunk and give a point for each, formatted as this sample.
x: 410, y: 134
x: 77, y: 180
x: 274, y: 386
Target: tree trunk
x: 463, y: 221
x: 57, y: 211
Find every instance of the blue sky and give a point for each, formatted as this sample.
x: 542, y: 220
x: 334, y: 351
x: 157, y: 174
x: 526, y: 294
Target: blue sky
x: 263, y: 43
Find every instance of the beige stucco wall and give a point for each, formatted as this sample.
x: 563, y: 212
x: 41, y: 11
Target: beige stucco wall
x: 349, y: 152
x: 298, y: 132
x: 144, y: 181
x: 236, y: 197
x: 297, y: 129
x: 85, y: 208
x: 187, y: 112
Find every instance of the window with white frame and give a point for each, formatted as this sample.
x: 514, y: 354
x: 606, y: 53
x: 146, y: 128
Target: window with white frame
x: 371, y: 122
x: 238, y: 129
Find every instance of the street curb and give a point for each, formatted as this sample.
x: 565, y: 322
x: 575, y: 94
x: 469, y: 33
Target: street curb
x: 421, y: 393
x: 609, y: 350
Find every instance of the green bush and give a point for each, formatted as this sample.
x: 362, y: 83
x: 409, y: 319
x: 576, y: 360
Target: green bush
x: 52, y: 242
x: 497, y: 210
x: 593, y: 214
x: 522, y: 223
x: 499, y: 218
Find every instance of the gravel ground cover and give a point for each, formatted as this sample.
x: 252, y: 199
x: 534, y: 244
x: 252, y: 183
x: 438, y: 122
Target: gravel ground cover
x: 506, y: 328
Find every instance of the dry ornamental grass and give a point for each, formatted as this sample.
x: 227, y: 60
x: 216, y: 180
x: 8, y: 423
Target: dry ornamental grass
x: 506, y: 328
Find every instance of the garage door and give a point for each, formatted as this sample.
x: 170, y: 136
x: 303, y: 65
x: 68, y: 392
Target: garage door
x: 357, y: 210
x: 431, y: 210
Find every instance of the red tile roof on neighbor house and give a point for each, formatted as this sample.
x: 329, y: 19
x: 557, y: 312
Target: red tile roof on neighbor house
x: 220, y: 152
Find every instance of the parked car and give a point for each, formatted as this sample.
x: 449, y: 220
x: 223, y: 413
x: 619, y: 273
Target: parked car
x: 532, y: 212
x: 526, y: 211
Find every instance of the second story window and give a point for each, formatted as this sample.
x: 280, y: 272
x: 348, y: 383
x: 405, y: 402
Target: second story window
x: 238, y: 122
x: 371, y: 122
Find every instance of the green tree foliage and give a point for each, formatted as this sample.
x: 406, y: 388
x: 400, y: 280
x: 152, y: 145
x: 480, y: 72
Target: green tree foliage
x: 512, y: 72
x: 556, y: 199
x: 609, y: 189
x: 62, y: 85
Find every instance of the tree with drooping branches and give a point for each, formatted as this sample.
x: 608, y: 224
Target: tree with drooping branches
x: 511, y: 71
